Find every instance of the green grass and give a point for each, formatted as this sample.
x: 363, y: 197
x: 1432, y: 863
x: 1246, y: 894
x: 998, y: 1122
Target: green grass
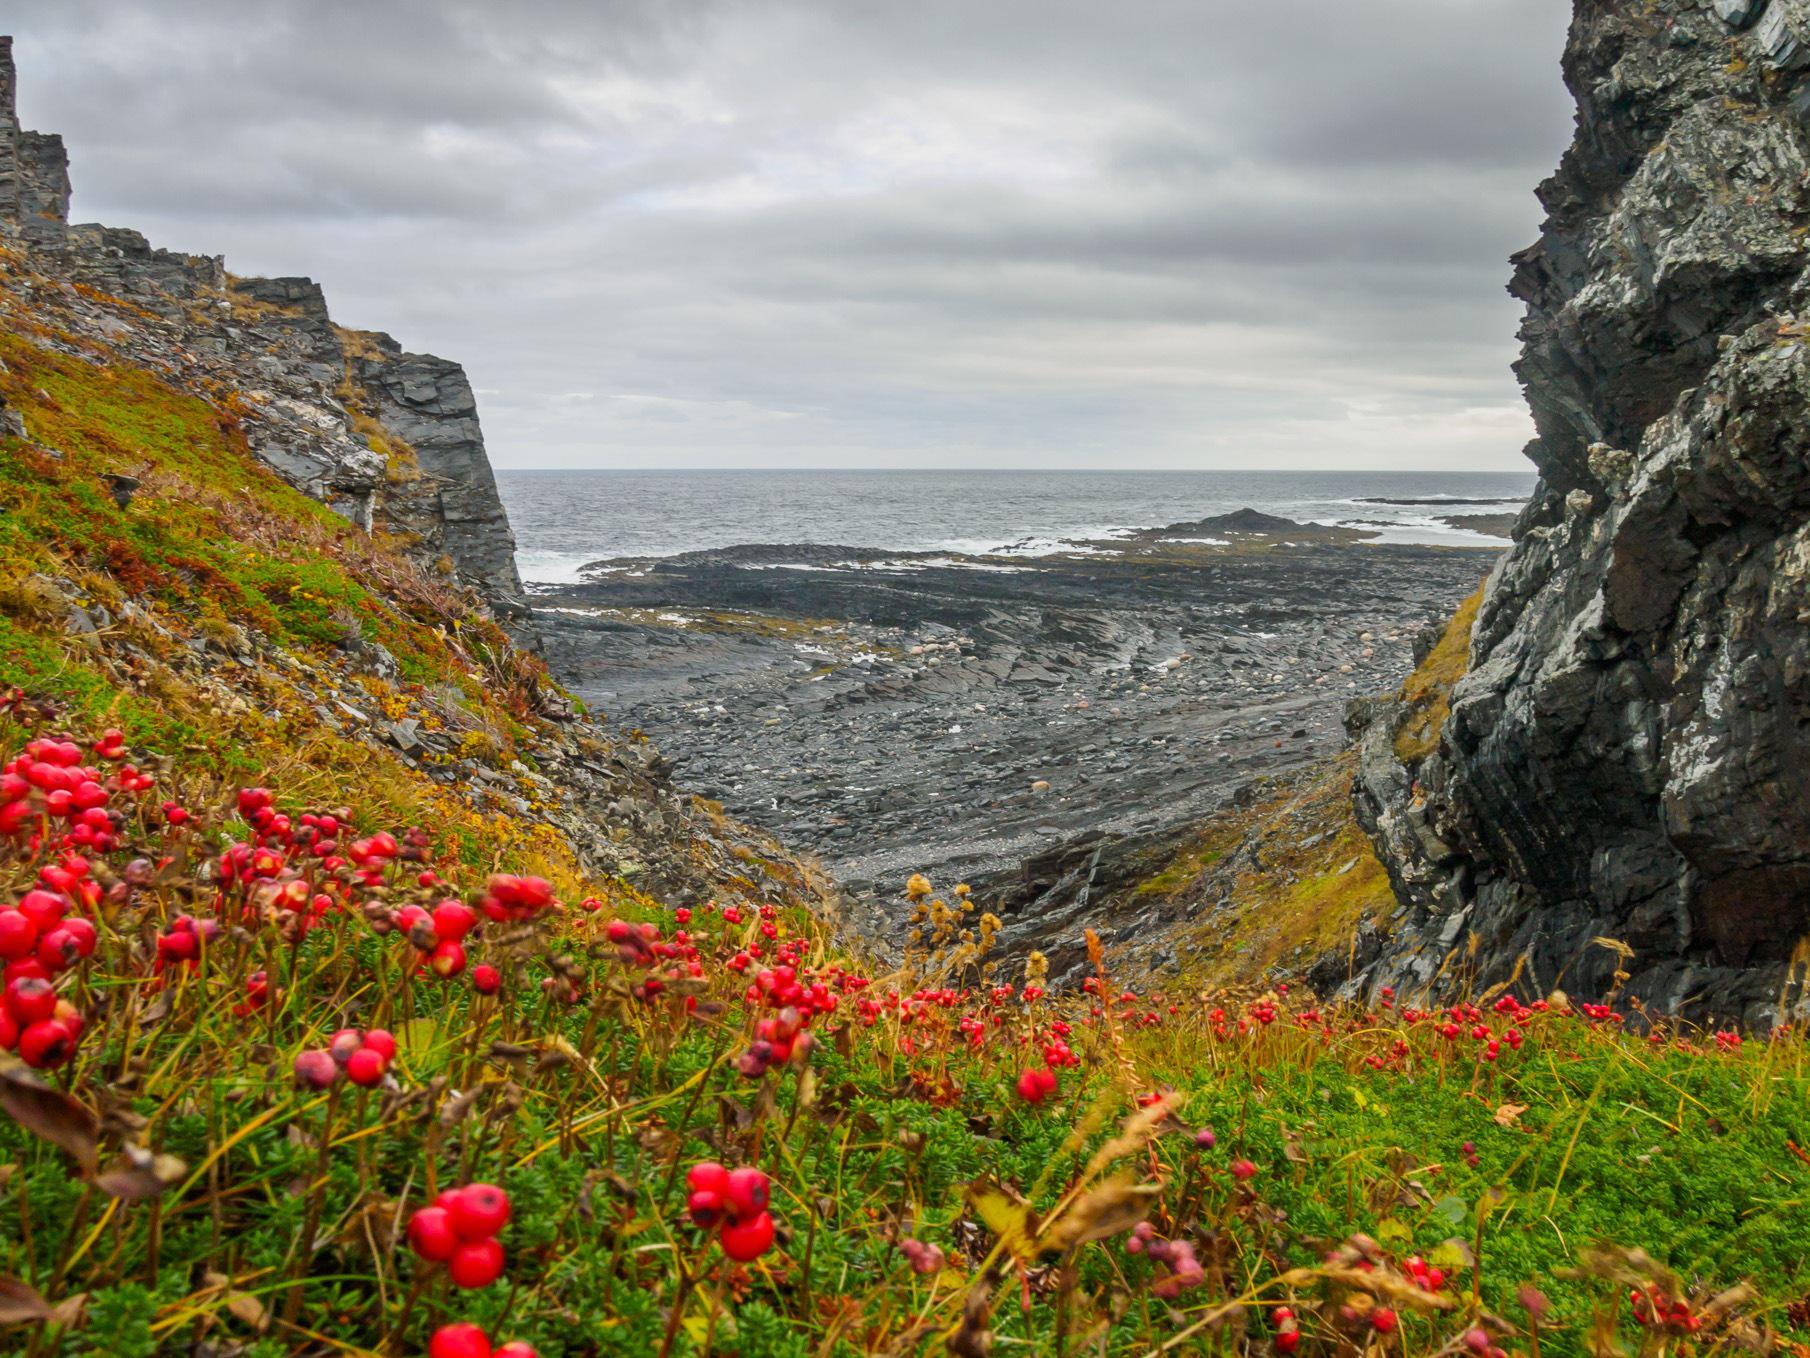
x: 1582, y: 1137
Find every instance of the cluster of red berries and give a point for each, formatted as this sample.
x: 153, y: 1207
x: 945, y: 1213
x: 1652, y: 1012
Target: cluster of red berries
x: 363, y: 1054
x: 183, y: 940
x: 732, y: 1202
x: 49, y: 781
x: 1176, y: 1255
x: 777, y: 1040
x: 462, y: 1339
x: 1656, y: 1311
x: 1426, y: 1277
x: 35, y: 1023
x: 784, y: 987
x: 640, y: 945
x: 1036, y: 1084
x: 508, y: 897
x: 459, y: 1229
x: 40, y: 939
x: 438, y: 935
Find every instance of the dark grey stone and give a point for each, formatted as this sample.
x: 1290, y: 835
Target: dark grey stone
x: 1627, y: 756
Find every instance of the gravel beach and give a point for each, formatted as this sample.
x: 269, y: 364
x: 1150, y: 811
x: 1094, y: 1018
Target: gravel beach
x: 897, y: 713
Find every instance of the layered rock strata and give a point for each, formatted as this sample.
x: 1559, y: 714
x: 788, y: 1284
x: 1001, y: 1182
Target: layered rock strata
x: 1620, y: 798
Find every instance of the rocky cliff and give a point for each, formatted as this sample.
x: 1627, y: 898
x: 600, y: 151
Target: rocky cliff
x: 1628, y: 756
x: 266, y: 547
x: 389, y: 439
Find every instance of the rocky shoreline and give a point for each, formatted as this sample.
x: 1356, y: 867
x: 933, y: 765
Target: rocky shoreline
x: 968, y: 716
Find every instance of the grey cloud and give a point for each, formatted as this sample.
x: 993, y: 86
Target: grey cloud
x: 783, y: 232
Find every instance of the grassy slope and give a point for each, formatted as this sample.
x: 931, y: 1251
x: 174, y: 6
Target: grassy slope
x: 587, y: 1105
x: 1294, y: 870
x: 215, y: 552
x: 1428, y: 690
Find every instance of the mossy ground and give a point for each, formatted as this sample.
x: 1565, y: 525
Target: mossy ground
x: 1427, y: 692
x: 1287, y: 877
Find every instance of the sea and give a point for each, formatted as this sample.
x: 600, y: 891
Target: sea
x: 565, y: 520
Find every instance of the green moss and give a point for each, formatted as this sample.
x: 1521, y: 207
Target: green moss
x: 1428, y: 690
x: 209, y: 525
x: 1182, y: 872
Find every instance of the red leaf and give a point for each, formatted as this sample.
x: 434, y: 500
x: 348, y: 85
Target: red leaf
x: 52, y: 1115
x: 20, y: 1302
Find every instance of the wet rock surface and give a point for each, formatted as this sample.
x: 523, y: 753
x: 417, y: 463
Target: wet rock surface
x: 1626, y: 758
x: 1014, y: 722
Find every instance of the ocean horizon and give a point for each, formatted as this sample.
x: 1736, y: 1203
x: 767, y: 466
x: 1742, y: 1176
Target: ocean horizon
x: 564, y: 519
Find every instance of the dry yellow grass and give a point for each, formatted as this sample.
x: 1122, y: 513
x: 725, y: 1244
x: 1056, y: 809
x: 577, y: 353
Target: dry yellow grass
x: 1428, y: 691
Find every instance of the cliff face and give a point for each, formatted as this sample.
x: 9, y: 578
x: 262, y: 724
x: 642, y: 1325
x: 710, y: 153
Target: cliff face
x: 389, y: 439
x: 1629, y: 754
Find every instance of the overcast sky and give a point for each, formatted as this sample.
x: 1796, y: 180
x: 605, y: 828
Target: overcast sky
x: 1042, y: 233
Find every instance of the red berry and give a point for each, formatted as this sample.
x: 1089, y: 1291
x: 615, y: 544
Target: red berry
x: 480, y: 1211
x: 1243, y: 1169
x: 365, y: 1067
x: 746, y: 1192
x: 453, y: 920
x: 381, y: 1041
x: 1382, y: 1319
x: 30, y: 1000
x: 316, y: 1069
x: 447, y: 958
x: 486, y: 980
x: 705, y: 1207
x: 707, y: 1176
x: 18, y: 933
x: 42, y: 908
x: 475, y: 1263
x: 459, y: 1340
x: 748, y: 1239
x: 1287, y: 1340
x: 431, y: 1234
x: 45, y: 1044
x: 516, y: 1348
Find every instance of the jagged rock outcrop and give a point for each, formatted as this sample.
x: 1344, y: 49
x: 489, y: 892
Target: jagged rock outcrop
x: 389, y: 439
x: 1629, y: 755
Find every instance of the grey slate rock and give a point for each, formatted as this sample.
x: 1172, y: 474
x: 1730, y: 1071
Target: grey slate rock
x: 1626, y: 757
x: 272, y: 341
